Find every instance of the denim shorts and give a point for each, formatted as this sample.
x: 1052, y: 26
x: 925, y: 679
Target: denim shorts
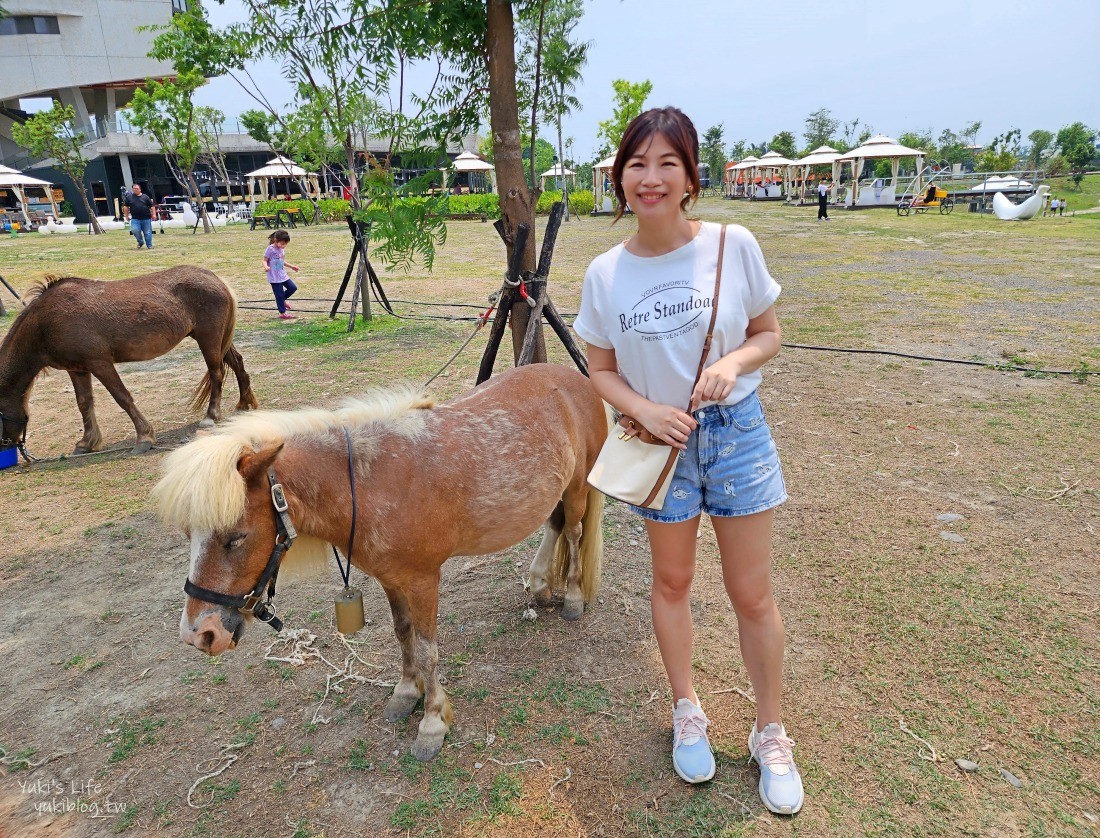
x: 730, y: 467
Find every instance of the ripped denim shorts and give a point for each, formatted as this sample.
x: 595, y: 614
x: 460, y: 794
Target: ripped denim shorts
x: 730, y: 467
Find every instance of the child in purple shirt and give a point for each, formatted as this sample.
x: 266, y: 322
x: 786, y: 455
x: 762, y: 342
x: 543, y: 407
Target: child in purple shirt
x: 275, y: 265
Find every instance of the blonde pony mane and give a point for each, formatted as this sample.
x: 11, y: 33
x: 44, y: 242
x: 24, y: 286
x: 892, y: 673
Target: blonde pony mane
x: 200, y: 488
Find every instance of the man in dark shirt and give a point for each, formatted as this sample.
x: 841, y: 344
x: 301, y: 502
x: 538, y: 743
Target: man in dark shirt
x: 140, y: 209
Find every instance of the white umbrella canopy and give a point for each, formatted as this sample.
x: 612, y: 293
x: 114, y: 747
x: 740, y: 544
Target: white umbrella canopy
x: 279, y: 167
x: 556, y: 171
x: 10, y: 177
x: 605, y: 164
x: 773, y: 158
x: 881, y: 146
x: 469, y: 162
x: 748, y: 163
x: 820, y: 156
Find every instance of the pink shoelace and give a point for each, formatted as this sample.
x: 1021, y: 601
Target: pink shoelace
x: 775, y: 750
x: 693, y: 725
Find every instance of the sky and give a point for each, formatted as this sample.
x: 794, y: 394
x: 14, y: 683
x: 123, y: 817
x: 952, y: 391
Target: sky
x: 760, y: 68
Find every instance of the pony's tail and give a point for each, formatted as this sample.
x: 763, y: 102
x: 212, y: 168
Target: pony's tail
x: 201, y: 397
x: 590, y: 550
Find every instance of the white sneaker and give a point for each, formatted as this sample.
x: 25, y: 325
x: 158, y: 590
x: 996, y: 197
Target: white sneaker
x: 691, y: 754
x: 780, y: 783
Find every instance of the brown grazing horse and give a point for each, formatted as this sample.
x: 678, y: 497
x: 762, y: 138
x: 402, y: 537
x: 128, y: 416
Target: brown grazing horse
x: 472, y: 476
x: 85, y: 327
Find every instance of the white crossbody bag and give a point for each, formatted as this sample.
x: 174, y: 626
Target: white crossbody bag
x: 634, y: 466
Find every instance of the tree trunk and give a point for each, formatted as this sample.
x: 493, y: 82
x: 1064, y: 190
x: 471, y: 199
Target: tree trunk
x: 92, y: 220
x: 516, y: 206
x: 561, y: 157
x: 194, y: 189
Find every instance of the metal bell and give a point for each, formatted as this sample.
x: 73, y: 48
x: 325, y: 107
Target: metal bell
x: 349, y: 611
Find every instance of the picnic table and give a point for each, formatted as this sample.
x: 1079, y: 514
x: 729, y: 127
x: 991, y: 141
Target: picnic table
x: 280, y: 218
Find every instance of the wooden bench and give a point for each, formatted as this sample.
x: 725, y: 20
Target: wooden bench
x: 294, y: 215
x: 268, y: 221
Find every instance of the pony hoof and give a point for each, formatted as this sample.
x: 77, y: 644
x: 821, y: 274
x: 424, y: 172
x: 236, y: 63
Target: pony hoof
x: 399, y: 707
x: 426, y: 748
x: 572, y: 610
x: 142, y: 447
x: 206, y: 422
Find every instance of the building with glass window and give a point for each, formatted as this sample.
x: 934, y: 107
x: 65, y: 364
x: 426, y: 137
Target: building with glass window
x: 91, y: 55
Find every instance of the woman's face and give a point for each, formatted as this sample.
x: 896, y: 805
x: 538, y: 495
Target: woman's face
x: 655, y: 180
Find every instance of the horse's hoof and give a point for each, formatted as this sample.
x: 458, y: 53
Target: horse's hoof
x: 206, y: 422
x: 572, y: 610
x: 142, y: 447
x: 426, y: 747
x: 400, y: 707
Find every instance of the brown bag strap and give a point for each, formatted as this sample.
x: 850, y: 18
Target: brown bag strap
x: 713, y: 311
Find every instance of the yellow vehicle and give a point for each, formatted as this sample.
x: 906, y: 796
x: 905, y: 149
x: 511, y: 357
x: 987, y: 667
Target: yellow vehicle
x: 932, y: 198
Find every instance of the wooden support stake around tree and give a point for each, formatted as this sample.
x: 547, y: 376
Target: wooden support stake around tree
x: 543, y: 306
x: 365, y: 276
x: 508, y: 296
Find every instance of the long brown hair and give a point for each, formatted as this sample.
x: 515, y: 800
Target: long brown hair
x: 674, y: 125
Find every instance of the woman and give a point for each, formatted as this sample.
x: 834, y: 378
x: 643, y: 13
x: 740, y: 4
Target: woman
x: 645, y: 307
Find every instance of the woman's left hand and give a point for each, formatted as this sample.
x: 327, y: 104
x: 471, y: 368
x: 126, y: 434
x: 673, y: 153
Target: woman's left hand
x: 716, y: 382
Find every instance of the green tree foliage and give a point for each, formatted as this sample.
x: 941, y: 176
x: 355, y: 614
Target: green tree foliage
x: 1002, y: 154
x: 1077, y: 145
x: 712, y: 151
x: 784, y: 143
x: 738, y: 150
x: 1041, y: 141
x: 52, y: 134
x: 629, y: 102
x: 165, y: 110
x: 820, y: 129
x: 563, y: 60
x: 921, y: 140
x: 545, y: 156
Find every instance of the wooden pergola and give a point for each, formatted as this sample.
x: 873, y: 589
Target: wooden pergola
x: 18, y: 182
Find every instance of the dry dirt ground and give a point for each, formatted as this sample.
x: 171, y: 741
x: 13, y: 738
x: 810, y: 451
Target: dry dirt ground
x: 912, y: 640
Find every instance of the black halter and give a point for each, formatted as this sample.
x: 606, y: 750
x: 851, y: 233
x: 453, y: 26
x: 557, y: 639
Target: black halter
x: 19, y: 441
x: 255, y: 602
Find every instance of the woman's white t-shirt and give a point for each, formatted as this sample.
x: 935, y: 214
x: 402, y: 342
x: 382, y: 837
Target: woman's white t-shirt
x: 654, y: 311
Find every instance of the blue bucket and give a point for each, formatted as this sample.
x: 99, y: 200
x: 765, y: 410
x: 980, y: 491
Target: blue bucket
x: 8, y: 457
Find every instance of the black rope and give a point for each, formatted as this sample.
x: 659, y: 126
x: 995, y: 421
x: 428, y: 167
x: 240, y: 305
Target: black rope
x: 989, y: 364
x: 346, y: 572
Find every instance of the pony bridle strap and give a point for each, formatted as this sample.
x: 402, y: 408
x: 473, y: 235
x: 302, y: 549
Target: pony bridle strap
x: 259, y: 602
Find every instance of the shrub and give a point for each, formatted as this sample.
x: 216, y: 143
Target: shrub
x: 580, y: 203
x: 488, y: 204
x: 332, y: 209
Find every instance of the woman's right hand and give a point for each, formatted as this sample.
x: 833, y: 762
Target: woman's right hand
x: 667, y: 423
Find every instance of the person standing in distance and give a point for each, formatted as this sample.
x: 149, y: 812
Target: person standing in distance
x: 139, y: 208
x: 822, y: 200
x: 645, y: 307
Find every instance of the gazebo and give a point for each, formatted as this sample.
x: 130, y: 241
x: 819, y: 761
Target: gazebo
x: 557, y: 171
x: 773, y: 168
x: 280, y: 167
x: 469, y: 163
x: 878, y: 193
x: 18, y: 182
x: 601, y: 194
x: 821, y: 156
x: 736, y: 175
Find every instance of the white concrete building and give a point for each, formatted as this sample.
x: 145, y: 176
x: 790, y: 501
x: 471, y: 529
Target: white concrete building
x: 86, y: 53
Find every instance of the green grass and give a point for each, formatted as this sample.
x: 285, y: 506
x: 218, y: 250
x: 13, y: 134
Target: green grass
x: 127, y: 737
